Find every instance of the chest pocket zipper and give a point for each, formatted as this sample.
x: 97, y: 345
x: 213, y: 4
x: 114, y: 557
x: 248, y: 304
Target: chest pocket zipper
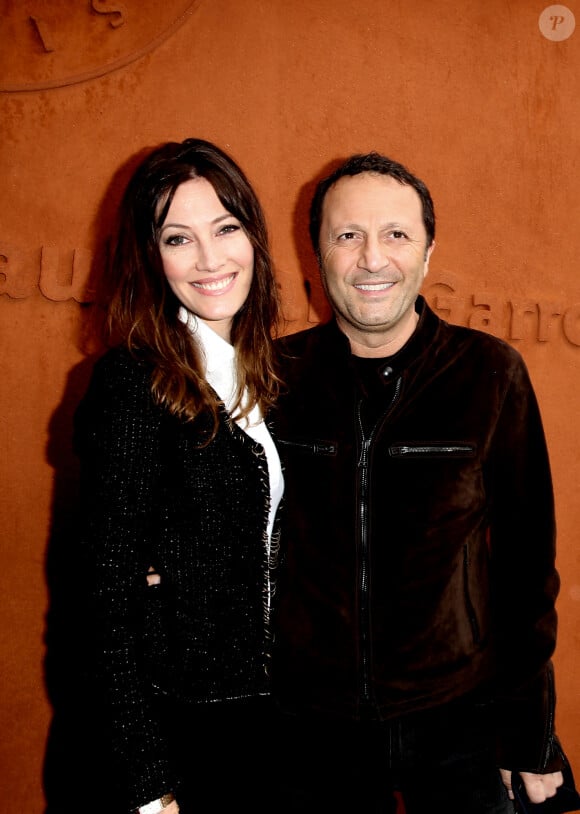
x: 313, y: 447
x: 435, y: 450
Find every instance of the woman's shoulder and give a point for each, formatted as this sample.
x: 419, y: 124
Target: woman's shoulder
x: 120, y: 361
x: 119, y: 375
x: 118, y: 398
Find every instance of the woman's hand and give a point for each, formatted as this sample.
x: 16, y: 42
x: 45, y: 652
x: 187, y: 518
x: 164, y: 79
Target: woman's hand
x: 153, y: 578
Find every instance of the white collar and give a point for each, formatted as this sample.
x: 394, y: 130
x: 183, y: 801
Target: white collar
x: 219, y: 357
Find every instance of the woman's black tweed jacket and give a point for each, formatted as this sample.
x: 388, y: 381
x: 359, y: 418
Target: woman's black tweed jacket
x: 153, y: 494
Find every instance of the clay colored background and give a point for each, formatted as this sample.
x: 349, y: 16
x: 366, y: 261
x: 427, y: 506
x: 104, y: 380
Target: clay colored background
x: 472, y: 96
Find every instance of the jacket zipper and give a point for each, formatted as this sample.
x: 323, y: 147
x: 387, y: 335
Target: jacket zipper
x: 549, y: 744
x: 316, y: 447
x: 468, y: 602
x: 400, y: 450
x: 364, y: 621
x: 363, y: 578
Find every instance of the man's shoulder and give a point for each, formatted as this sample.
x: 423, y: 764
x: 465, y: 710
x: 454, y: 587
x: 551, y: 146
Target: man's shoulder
x: 478, y: 343
x: 308, y: 337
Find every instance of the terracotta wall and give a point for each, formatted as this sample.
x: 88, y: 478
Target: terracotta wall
x: 480, y: 99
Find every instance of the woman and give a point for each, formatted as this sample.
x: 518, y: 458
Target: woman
x: 181, y: 480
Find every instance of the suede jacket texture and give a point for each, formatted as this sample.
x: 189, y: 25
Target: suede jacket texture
x: 154, y: 493
x: 420, y: 556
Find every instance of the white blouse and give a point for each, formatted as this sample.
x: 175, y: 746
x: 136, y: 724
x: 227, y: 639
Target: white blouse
x: 221, y: 374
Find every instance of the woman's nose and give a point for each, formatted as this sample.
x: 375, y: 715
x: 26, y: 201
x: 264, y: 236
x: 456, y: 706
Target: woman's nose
x: 209, y: 257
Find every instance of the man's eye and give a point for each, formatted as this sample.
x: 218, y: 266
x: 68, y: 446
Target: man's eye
x: 398, y: 235
x: 347, y: 236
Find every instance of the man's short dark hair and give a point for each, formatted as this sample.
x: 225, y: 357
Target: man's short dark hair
x: 381, y: 165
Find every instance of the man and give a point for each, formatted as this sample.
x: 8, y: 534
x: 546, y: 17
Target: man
x: 416, y: 616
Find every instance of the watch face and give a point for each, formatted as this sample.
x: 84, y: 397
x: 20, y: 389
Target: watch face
x: 53, y: 44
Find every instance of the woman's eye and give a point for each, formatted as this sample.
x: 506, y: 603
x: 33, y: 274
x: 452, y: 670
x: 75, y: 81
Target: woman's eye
x: 228, y: 228
x: 175, y: 240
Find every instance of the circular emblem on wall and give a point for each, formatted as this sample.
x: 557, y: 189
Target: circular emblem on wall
x: 557, y: 23
x: 51, y: 45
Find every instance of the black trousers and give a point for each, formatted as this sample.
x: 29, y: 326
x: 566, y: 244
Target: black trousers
x: 440, y: 761
x: 223, y: 754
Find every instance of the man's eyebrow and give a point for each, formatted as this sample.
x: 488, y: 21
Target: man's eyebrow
x: 354, y: 227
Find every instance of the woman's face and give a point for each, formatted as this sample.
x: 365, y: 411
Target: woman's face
x: 207, y: 257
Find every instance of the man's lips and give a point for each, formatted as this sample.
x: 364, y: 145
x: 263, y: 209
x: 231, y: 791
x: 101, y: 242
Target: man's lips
x: 384, y: 286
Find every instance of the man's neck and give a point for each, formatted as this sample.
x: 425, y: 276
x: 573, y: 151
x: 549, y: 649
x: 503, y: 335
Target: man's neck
x: 380, y: 345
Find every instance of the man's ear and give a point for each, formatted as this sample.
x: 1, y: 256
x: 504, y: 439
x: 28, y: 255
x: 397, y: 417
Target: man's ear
x: 428, y: 253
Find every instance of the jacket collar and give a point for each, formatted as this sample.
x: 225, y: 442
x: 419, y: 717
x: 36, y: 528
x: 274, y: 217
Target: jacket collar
x: 421, y: 339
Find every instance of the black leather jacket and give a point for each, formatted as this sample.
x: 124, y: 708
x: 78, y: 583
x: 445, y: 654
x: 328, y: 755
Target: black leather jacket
x: 419, y: 562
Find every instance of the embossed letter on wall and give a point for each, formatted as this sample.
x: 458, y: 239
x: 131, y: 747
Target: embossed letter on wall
x: 58, y: 275
x: 510, y: 318
x: 50, y: 45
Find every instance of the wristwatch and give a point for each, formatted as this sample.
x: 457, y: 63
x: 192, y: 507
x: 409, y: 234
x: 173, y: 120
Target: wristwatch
x: 155, y: 806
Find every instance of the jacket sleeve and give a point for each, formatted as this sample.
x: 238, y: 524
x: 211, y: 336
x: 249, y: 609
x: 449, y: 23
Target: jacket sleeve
x: 117, y: 437
x: 525, y: 582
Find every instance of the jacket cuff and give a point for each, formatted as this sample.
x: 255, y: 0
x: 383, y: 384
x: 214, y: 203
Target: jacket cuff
x: 525, y: 728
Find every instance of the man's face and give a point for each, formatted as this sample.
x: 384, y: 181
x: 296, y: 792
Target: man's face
x: 374, y: 258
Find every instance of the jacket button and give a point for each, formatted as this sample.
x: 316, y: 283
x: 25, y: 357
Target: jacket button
x: 387, y: 372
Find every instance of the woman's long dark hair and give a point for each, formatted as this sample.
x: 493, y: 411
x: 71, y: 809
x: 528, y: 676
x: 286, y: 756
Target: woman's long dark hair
x: 142, y: 310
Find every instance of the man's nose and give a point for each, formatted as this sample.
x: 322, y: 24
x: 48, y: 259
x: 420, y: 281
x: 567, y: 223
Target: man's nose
x: 374, y: 254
